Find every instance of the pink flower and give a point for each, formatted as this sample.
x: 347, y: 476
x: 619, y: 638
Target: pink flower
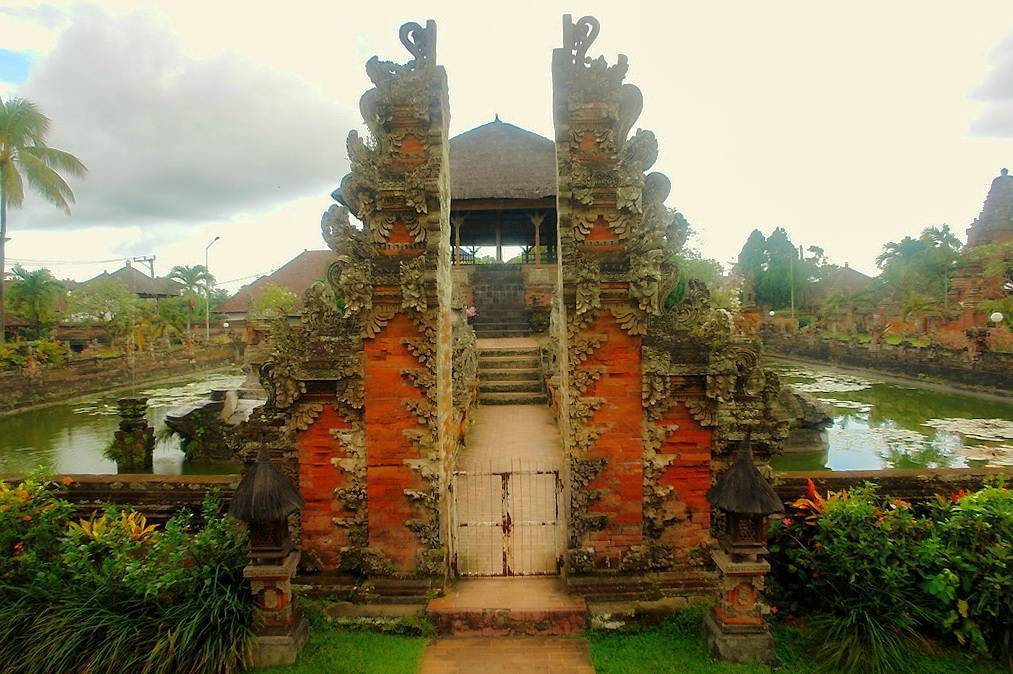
x: 773, y: 609
x: 786, y: 521
x: 472, y: 312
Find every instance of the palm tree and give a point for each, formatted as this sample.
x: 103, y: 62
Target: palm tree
x: 193, y: 279
x: 35, y: 294
x: 906, y: 249
x: 23, y: 152
x: 941, y: 237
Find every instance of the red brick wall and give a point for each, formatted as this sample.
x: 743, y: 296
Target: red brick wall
x: 689, y: 475
x: 386, y: 420
x: 318, y: 478
x: 621, y: 444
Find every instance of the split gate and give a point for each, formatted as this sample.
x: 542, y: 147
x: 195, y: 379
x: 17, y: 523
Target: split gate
x: 506, y: 520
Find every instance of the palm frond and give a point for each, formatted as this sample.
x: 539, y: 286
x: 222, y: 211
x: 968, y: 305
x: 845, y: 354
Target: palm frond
x: 58, y: 160
x: 22, y: 123
x: 47, y: 182
x: 11, y: 186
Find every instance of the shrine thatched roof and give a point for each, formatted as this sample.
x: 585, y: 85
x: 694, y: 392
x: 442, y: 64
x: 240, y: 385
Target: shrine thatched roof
x: 264, y: 494
x: 743, y: 490
x: 502, y: 161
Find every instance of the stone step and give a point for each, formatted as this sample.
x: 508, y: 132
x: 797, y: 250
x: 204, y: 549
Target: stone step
x: 509, y: 386
x: 493, y: 334
x: 507, y: 362
x: 518, y: 606
x: 500, y: 323
x: 506, y: 374
x: 525, y: 350
x: 512, y: 399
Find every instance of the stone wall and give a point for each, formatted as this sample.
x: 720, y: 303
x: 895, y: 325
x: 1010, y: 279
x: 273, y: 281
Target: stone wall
x: 910, y: 485
x: 91, y: 375
x: 159, y: 497
x: 986, y: 369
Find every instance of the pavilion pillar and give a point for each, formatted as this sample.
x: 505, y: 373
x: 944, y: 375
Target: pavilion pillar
x: 457, y: 221
x: 536, y: 220
x: 499, y: 236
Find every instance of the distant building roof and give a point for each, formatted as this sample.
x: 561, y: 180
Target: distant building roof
x: 502, y: 161
x: 139, y: 282
x: 296, y: 275
x: 847, y: 278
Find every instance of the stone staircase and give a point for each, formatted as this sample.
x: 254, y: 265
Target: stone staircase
x: 509, y: 375
x: 498, y: 291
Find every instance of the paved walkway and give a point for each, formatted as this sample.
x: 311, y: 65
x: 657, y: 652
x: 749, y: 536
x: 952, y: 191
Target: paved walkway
x: 505, y: 433
x: 513, y: 655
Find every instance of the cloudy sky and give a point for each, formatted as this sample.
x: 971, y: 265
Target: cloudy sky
x: 848, y: 124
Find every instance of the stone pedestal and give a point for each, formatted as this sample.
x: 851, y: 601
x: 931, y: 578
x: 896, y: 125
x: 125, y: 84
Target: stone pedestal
x: 735, y: 630
x: 281, y: 629
x: 134, y: 443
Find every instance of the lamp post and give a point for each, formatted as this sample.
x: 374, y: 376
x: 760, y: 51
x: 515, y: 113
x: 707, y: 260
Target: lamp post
x: 207, y: 292
x: 996, y: 317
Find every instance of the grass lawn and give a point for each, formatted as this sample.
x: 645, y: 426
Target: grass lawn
x: 677, y: 646
x: 341, y: 649
x: 673, y: 646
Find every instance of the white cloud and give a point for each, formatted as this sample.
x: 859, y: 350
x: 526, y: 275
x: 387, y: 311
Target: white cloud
x: 997, y: 94
x: 169, y: 139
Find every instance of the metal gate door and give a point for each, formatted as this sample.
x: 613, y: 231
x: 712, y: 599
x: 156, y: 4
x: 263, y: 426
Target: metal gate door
x: 506, y: 520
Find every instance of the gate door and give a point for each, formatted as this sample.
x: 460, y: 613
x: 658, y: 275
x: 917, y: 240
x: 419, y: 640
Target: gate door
x: 506, y: 520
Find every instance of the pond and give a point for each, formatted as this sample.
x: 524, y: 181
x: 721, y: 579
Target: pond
x: 880, y: 423
x: 70, y: 437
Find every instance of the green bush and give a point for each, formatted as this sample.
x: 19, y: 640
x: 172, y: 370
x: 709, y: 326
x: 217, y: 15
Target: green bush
x: 975, y: 584
x: 45, y: 351
x: 870, y: 574
x: 113, y: 594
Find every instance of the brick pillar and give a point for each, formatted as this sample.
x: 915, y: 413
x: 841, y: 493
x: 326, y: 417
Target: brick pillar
x: 605, y: 237
x: 395, y: 278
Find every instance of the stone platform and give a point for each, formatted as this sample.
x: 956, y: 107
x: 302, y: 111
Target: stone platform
x: 492, y: 607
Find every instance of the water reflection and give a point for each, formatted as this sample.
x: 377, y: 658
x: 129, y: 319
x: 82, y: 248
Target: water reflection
x: 70, y: 438
x: 878, y: 424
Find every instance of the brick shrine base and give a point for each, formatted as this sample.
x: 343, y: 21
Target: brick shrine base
x: 492, y: 607
x: 512, y: 655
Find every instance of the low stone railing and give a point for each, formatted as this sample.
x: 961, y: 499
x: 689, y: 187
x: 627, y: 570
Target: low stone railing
x: 159, y: 496
x: 909, y: 484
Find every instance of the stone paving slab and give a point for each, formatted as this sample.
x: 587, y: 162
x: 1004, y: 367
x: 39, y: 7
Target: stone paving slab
x: 514, y: 655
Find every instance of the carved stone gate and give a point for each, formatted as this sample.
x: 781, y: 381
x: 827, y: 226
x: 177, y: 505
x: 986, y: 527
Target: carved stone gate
x: 506, y: 521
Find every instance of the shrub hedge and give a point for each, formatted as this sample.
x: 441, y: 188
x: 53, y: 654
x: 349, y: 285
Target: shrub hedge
x: 113, y: 594
x: 870, y: 573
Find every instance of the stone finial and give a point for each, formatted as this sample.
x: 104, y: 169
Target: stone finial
x: 419, y: 41
x: 577, y: 37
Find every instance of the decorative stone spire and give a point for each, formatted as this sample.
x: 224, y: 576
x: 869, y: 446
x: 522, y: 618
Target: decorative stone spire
x: 995, y: 223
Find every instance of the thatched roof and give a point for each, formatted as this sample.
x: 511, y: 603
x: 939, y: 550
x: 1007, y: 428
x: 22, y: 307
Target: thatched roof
x: 502, y: 161
x: 743, y: 490
x: 265, y: 494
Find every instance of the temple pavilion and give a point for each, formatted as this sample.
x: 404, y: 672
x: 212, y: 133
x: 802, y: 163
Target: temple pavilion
x: 503, y: 187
